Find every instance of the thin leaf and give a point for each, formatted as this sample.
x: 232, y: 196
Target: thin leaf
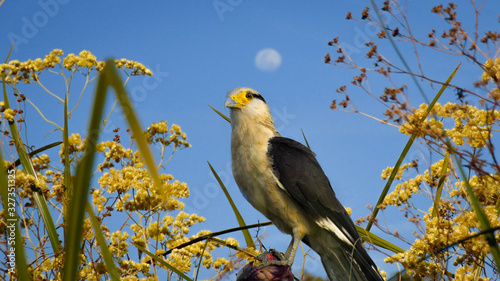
x: 133, y: 121
x: 390, y: 180
x: 221, y: 115
x: 405, y: 151
x: 36, y: 151
x: 84, y: 169
x: 67, y: 167
x: 101, y: 241
x: 236, y: 248
x: 377, y: 240
x: 303, y: 135
x: 498, y: 208
x: 79, y: 197
x: 13, y: 219
x: 162, y: 262
x: 218, y: 233
x: 241, y: 222
x: 439, y: 189
x: 38, y: 196
x: 481, y: 216
x: 10, y: 51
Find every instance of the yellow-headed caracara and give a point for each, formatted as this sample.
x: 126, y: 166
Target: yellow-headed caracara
x: 282, y: 179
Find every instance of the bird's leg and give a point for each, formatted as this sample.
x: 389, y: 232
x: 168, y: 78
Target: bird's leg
x: 289, y: 255
x: 290, y: 247
x: 292, y: 250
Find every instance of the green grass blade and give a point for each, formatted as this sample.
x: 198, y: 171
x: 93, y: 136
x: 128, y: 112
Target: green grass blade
x: 162, y: 262
x: 79, y: 198
x: 481, y: 216
x: 241, y: 222
x: 133, y: 121
x: 101, y: 241
x: 38, y: 196
x: 36, y: 151
x: 10, y: 52
x: 377, y: 240
x: 221, y: 115
x: 389, y: 181
x: 405, y: 151
x: 67, y: 166
x: 12, y: 217
x: 48, y: 221
x: 304, y: 136
x: 218, y: 233
x: 439, y: 189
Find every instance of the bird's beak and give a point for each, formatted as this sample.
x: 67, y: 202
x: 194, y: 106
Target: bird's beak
x: 231, y: 102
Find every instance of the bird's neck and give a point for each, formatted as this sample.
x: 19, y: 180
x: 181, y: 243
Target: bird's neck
x: 252, y: 131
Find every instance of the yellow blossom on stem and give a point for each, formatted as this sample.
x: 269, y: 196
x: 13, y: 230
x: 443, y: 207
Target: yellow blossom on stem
x: 9, y: 114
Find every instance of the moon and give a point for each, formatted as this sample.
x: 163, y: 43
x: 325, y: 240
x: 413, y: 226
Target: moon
x: 268, y: 60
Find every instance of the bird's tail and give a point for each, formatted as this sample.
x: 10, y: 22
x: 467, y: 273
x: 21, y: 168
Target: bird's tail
x: 340, y: 266
x: 345, y: 263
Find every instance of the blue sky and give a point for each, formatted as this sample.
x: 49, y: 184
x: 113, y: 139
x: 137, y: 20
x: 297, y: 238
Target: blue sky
x: 199, y: 50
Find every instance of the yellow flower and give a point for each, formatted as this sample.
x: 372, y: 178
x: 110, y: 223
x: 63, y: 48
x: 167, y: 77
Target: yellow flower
x: 9, y: 114
x: 220, y: 262
x: 233, y: 242
x: 495, y: 94
x: 41, y: 162
x: 491, y: 70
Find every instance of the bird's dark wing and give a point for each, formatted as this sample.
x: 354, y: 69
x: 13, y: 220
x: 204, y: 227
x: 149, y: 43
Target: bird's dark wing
x: 299, y: 172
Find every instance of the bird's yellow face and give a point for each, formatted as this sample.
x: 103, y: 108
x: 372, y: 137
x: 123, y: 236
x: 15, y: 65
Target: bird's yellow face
x: 239, y: 100
x: 240, y: 97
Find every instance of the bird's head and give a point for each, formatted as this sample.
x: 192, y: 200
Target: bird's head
x: 247, y: 105
x: 243, y: 98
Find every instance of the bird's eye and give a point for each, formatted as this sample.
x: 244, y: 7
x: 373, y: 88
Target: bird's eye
x: 249, y: 96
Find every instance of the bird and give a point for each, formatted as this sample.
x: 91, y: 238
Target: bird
x: 283, y: 180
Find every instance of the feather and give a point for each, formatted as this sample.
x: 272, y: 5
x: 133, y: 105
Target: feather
x: 302, y: 177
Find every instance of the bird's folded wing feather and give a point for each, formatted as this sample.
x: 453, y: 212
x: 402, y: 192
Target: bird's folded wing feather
x: 300, y: 174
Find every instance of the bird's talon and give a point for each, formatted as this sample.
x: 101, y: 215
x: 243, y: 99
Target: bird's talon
x: 272, y: 257
x: 260, y: 257
x: 274, y: 262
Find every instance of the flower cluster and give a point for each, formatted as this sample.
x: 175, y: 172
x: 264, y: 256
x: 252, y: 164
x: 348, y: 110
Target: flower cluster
x: 29, y: 71
x: 461, y: 133
x: 405, y: 190
x: 9, y: 114
x: 75, y: 145
x: 84, y: 60
x: 122, y: 192
x: 470, y: 123
x: 136, y: 68
x: 492, y: 70
x: 159, y: 133
x: 454, y: 221
x: 126, y: 182
x: 125, y: 187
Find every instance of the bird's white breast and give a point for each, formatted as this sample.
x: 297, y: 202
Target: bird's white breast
x: 250, y: 166
x: 252, y: 170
